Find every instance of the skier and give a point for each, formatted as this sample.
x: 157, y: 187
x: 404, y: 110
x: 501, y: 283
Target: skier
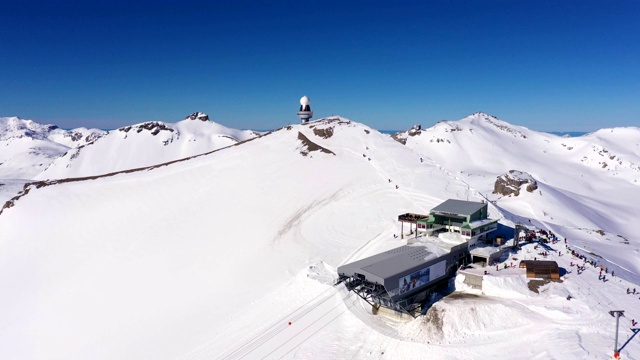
x: 628, y: 291
x: 497, y: 269
x: 612, y: 273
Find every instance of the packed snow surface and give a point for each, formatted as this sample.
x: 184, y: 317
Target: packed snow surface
x: 232, y: 254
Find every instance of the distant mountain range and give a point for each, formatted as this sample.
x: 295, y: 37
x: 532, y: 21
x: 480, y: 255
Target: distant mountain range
x: 28, y: 147
x: 559, y: 133
x: 37, y: 151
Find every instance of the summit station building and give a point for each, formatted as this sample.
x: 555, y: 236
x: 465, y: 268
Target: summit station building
x: 403, y: 277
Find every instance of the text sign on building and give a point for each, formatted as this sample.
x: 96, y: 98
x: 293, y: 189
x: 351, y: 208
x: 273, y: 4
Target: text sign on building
x: 422, y: 276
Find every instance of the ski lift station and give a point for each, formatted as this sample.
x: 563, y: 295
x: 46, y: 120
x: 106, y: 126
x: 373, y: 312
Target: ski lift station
x: 403, y: 277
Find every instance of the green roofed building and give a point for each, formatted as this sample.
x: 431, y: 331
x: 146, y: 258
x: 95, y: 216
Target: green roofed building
x: 468, y: 218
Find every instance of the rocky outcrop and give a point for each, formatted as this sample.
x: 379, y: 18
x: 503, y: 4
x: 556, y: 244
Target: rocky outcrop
x: 153, y: 127
x: 402, y: 136
x: 198, y: 116
x: 308, y: 146
x: 511, y: 183
x: 323, y: 133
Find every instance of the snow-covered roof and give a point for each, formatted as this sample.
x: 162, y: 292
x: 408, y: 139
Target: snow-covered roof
x: 380, y: 268
x: 488, y: 250
x: 478, y: 223
x: 404, y: 259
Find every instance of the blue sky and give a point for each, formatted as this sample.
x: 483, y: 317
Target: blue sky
x: 546, y: 65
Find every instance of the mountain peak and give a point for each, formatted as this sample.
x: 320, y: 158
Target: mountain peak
x: 15, y: 127
x: 198, y: 116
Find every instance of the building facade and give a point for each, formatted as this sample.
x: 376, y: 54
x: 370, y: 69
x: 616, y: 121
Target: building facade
x: 467, y: 218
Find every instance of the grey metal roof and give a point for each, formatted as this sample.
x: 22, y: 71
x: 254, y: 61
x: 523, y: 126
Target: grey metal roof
x: 459, y: 207
x: 390, y: 263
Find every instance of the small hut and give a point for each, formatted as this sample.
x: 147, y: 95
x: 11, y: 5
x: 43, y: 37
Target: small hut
x: 541, y: 269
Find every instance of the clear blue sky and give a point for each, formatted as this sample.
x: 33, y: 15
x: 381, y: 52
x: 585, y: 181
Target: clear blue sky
x: 548, y: 65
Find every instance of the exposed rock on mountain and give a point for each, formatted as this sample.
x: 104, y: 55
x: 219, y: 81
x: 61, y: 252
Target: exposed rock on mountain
x: 153, y: 127
x: 198, y: 116
x: 309, y: 146
x: 511, y: 183
x: 323, y: 133
x: 401, y: 136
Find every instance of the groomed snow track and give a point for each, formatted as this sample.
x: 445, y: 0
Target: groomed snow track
x: 289, y: 332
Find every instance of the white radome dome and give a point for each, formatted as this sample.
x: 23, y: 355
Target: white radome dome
x: 304, y: 100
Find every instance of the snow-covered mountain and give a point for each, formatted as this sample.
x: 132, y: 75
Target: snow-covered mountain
x: 585, y: 174
x: 29, y: 147
x: 143, y: 145
x: 233, y: 253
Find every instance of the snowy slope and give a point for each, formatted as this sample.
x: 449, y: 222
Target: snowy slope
x: 596, y: 176
x: 482, y: 144
x: 213, y: 256
x: 29, y: 147
x: 145, y: 144
x: 189, y: 242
